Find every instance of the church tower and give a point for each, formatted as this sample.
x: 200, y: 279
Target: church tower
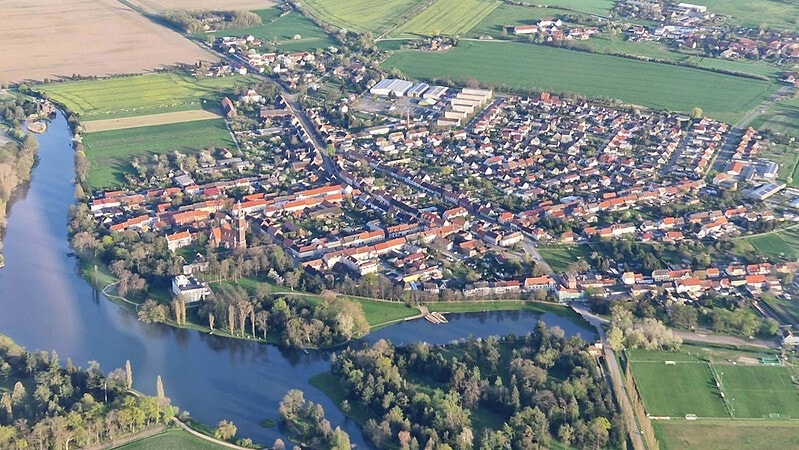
x: 239, y: 228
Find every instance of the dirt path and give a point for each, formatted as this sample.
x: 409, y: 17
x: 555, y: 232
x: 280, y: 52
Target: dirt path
x: 722, y: 339
x: 122, y: 123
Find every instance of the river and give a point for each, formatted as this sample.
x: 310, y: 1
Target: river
x: 45, y: 304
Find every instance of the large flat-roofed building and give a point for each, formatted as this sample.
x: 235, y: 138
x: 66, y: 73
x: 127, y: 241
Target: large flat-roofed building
x: 435, y: 92
x: 765, y: 191
x: 418, y: 90
x: 391, y: 85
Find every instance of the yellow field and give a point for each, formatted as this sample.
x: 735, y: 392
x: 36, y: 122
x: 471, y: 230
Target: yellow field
x: 122, y: 123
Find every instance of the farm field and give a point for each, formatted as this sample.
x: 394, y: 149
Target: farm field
x: 509, y: 65
x: 282, y: 29
x: 689, y: 385
x: 159, y: 6
x: 139, y: 95
x: 361, y: 15
x: 598, y: 7
x: 777, y: 14
x: 782, y: 245
x: 95, y: 126
x: 104, y: 36
x: 173, y: 440
x: 110, y: 152
x: 725, y: 435
x: 782, y: 117
x: 447, y: 17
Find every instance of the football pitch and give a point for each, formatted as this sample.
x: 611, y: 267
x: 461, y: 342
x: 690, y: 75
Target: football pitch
x: 675, y: 386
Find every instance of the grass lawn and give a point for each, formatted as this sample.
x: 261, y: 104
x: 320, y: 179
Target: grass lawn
x: 332, y: 387
x: 110, y: 152
x: 725, y: 435
x: 782, y: 117
x: 282, y: 29
x: 141, y: 94
x: 560, y: 257
x: 511, y: 65
x: 447, y: 17
x: 782, y: 245
x: 361, y: 15
x: 172, y: 440
x: 776, y: 14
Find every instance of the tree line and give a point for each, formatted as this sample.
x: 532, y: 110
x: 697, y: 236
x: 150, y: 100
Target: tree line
x: 541, y: 388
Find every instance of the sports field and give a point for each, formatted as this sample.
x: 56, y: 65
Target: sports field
x: 110, y: 152
x: 526, y: 66
x: 361, y: 15
x: 782, y: 245
x: 140, y: 95
x: 725, y: 435
x: 172, y: 440
x: 282, y: 28
x: 447, y: 17
x: 690, y: 385
x: 94, y: 126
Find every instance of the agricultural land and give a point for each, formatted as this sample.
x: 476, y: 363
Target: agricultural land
x: 122, y: 123
x: 282, y: 28
x: 447, y: 17
x: 105, y: 37
x: 520, y: 66
x: 159, y: 6
x: 361, y: 15
x: 776, y: 14
x: 782, y: 117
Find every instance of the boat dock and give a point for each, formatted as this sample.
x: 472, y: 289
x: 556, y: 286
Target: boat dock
x: 436, y: 318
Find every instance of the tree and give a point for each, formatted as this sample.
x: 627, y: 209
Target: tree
x: 225, y: 430
x: 615, y: 338
x: 697, y: 113
x: 128, y: 374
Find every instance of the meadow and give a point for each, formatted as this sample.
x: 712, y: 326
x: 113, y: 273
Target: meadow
x: 281, y: 29
x: 447, y: 17
x: 559, y: 257
x: 690, y: 385
x: 141, y: 94
x: 782, y: 117
x: 515, y: 66
x: 776, y: 14
x: 506, y: 15
x: 361, y: 15
x: 110, y: 152
x: 173, y: 440
x: 725, y: 435
x: 598, y: 7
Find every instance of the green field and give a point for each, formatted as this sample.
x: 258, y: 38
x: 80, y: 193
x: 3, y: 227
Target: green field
x: 777, y: 14
x: 725, y: 435
x: 690, y: 386
x: 788, y: 310
x: 598, y: 7
x: 782, y: 245
x: 787, y: 157
x: 526, y: 66
x: 560, y: 257
x: 447, y: 17
x: 509, y: 15
x: 361, y: 15
x: 140, y: 95
x: 281, y: 29
x: 110, y: 152
x: 782, y: 117
x: 172, y: 440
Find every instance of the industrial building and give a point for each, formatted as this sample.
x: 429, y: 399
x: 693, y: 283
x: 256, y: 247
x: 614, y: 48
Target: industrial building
x: 391, y: 85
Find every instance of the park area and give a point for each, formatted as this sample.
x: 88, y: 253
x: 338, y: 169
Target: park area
x: 46, y: 40
x: 140, y: 95
x: 510, y: 65
x: 691, y: 382
x: 447, y: 17
x: 172, y: 440
x: 281, y: 28
x: 110, y: 152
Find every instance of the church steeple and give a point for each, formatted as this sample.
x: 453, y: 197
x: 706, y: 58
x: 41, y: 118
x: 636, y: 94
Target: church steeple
x: 239, y: 227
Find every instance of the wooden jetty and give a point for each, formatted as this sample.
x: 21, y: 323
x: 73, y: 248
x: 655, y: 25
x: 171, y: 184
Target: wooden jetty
x: 436, y: 318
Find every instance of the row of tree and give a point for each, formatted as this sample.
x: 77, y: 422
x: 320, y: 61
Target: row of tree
x: 539, y: 387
